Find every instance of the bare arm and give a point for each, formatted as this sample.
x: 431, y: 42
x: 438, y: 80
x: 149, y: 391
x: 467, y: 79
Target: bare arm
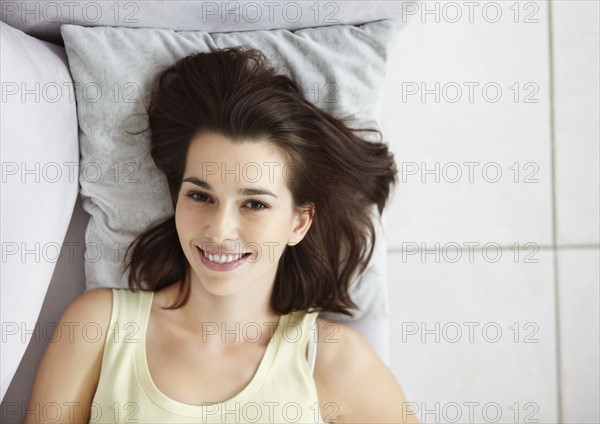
x: 68, y: 374
x: 351, y: 376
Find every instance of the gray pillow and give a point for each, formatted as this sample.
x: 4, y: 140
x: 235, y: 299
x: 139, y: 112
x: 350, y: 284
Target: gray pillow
x: 340, y: 69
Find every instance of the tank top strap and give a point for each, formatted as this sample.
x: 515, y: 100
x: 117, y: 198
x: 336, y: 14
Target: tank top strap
x: 299, y: 335
x: 130, y: 306
x: 129, y: 317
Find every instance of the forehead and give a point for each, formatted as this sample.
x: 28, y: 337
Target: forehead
x: 214, y: 157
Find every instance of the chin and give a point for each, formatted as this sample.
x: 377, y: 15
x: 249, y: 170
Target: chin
x: 221, y: 289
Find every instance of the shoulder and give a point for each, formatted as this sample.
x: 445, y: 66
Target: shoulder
x: 349, y: 373
x: 91, y: 309
x: 81, y: 331
x: 340, y: 346
x: 94, y: 301
x: 70, y: 368
x: 92, y: 306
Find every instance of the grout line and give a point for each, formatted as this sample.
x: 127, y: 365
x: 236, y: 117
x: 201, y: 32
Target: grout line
x: 559, y: 399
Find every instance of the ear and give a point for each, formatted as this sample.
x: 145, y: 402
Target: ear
x: 303, y: 219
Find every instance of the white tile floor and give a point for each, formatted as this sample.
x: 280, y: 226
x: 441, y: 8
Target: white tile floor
x: 505, y: 144
x: 578, y: 272
x: 468, y: 331
x: 576, y: 106
x: 545, y: 144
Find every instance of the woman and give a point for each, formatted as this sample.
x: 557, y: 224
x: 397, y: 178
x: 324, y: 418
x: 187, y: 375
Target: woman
x: 272, y: 199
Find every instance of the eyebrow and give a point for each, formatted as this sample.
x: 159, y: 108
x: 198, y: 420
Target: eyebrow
x: 243, y: 191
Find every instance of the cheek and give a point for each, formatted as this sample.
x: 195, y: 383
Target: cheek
x: 274, y: 231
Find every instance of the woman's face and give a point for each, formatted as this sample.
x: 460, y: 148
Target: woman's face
x: 235, y: 214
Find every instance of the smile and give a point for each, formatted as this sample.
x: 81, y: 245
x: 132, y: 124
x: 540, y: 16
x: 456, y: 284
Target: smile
x: 222, y: 262
x: 224, y: 258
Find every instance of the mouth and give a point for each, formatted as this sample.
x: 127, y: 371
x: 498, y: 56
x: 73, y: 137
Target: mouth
x: 222, y: 258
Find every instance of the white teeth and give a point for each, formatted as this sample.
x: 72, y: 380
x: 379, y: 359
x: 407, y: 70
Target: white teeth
x: 221, y: 259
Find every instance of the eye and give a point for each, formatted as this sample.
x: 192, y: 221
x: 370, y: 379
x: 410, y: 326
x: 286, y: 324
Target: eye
x: 197, y: 196
x: 256, y: 205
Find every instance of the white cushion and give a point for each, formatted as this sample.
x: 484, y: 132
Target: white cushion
x: 40, y: 157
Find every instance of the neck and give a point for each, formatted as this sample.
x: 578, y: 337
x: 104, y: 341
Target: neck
x: 245, y: 316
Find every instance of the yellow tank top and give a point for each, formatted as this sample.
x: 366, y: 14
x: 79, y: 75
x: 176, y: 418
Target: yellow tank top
x: 282, y: 389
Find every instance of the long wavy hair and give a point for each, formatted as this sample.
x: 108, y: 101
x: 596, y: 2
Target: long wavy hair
x: 234, y: 92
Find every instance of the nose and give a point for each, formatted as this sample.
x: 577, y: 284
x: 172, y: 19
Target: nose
x: 222, y: 224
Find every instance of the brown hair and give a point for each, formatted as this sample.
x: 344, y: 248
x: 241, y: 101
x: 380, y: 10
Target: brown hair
x: 235, y: 93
